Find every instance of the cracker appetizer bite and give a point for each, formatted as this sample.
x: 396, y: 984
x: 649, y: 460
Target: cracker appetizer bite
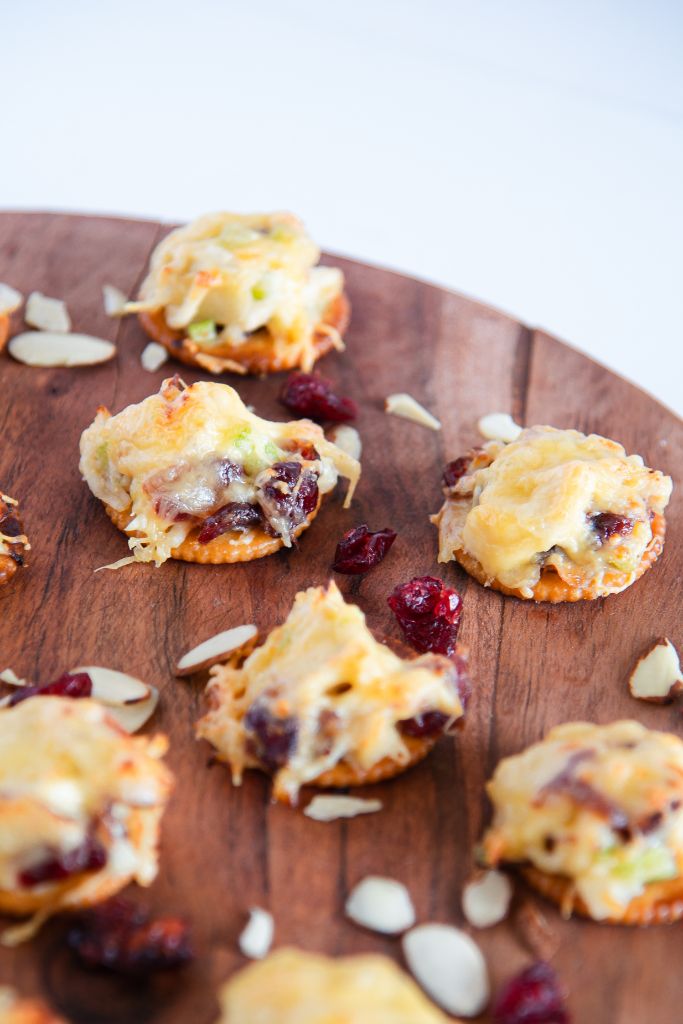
x: 294, y: 987
x: 192, y: 474
x: 242, y: 293
x: 323, y: 702
x: 593, y: 814
x: 13, y: 541
x: 80, y: 805
x: 553, y: 516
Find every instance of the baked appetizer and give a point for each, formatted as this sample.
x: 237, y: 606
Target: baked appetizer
x: 13, y: 541
x: 15, y: 1010
x: 242, y: 293
x: 553, y: 516
x: 323, y: 702
x: 294, y: 987
x: 594, y: 815
x: 80, y: 805
x: 192, y: 474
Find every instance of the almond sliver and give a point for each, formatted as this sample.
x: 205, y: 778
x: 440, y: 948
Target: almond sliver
x: 499, y: 426
x: 44, y: 348
x: 114, y: 300
x: 112, y: 687
x: 10, y: 299
x: 47, y: 314
x: 153, y: 357
x: 449, y: 966
x: 657, y: 674
x: 381, y: 904
x: 408, y: 408
x: 215, y: 649
x: 486, y: 899
x: 348, y: 439
x: 132, y: 717
x: 331, y: 806
x: 257, y: 936
x: 9, y: 676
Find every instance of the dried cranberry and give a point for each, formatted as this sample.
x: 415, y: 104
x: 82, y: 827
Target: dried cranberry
x: 308, y: 394
x: 121, y: 937
x: 428, y: 613
x: 58, y: 865
x: 361, y: 549
x: 228, y: 471
x: 454, y: 470
x: 309, y: 453
x: 10, y: 526
x: 289, y: 492
x: 532, y: 997
x: 609, y: 524
x: 236, y: 515
x: 70, y: 684
x: 271, y: 739
x: 430, y: 723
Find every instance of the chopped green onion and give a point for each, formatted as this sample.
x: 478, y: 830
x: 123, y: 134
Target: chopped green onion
x: 204, y: 330
x: 259, y: 292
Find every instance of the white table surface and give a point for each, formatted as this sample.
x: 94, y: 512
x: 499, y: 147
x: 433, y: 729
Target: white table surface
x: 526, y: 152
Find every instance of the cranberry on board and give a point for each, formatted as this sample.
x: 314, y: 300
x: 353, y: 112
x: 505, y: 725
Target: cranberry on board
x: 69, y: 684
x: 121, y: 936
x: 534, y: 996
x: 454, y: 470
x: 428, y: 612
x: 309, y: 394
x: 360, y: 549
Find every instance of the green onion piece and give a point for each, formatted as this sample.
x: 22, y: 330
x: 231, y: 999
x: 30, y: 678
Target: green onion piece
x: 204, y: 330
x: 259, y: 292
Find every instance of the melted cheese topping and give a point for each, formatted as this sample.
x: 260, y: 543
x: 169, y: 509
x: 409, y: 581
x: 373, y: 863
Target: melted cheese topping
x: 9, y: 543
x: 293, y: 987
x: 242, y: 273
x: 66, y: 768
x: 600, y: 805
x: 340, y: 690
x: 15, y: 1010
x: 531, y: 503
x: 163, y: 455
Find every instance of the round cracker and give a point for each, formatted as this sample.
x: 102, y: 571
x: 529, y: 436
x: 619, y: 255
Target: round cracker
x: 346, y: 774
x: 256, y: 355
x: 229, y: 547
x: 552, y: 588
x: 660, y: 903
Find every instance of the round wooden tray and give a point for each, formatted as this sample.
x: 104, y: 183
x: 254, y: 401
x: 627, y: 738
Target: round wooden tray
x: 227, y: 849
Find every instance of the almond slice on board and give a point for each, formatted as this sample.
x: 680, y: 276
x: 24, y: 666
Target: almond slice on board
x: 112, y: 687
x: 46, y: 348
x: 449, y: 966
x: 486, y: 899
x: 132, y: 717
x: 657, y: 675
x: 215, y: 649
x: 331, y: 806
x: 348, y: 439
x: 47, y: 314
x: 256, y: 937
x: 408, y: 408
x: 10, y: 299
x: 114, y: 300
x: 382, y: 905
x: 499, y: 426
x: 153, y: 357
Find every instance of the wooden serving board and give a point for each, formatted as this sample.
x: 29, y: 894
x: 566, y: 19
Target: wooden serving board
x: 226, y: 849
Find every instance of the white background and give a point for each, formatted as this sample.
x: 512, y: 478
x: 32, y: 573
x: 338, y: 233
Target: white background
x: 527, y: 152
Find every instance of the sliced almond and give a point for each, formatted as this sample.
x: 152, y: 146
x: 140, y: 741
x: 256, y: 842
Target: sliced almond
x: 329, y: 807
x: 657, y: 675
x: 10, y: 299
x: 115, y: 688
x: 114, y: 300
x: 257, y: 937
x: 44, y: 348
x: 132, y: 717
x: 499, y: 426
x: 381, y: 904
x: 535, y: 932
x: 216, y: 649
x: 449, y: 966
x: 47, y: 314
x: 153, y: 356
x: 408, y: 408
x: 486, y: 899
x: 348, y: 439
x: 119, y: 564
x: 8, y: 676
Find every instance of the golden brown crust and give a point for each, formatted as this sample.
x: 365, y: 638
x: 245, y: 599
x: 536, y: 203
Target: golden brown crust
x: 660, y: 903
x: 551, y: 587
x: 345, y: 774
x: 256, y: 355
x: 25, y: 1011
x: 228, y: 548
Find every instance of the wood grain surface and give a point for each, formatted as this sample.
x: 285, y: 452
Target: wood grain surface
x: 226, y: 849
